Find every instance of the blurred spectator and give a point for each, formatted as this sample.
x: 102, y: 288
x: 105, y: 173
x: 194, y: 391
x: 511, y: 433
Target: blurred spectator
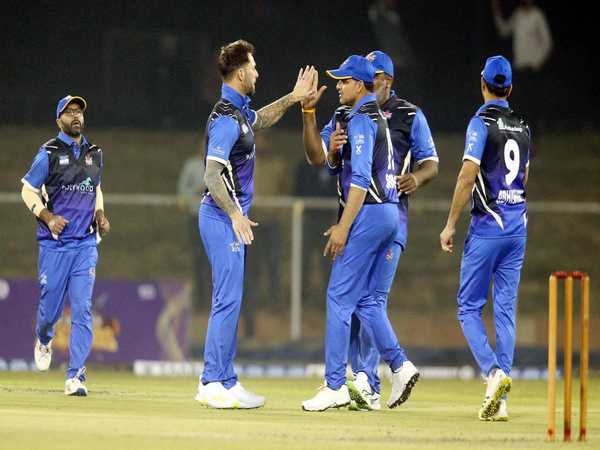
x: 190, y: 188
x: 391, y: 32
x: 532, y: 44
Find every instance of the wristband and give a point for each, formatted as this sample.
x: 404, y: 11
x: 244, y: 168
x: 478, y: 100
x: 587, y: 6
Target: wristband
x: 310, y: 111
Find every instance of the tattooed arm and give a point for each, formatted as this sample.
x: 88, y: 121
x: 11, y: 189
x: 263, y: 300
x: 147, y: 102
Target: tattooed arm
x: 270, y: 114
x: 242, y: 225
x: 216, y: 187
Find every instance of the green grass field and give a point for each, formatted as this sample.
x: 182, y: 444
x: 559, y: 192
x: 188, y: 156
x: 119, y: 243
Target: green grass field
x: 127, y: 412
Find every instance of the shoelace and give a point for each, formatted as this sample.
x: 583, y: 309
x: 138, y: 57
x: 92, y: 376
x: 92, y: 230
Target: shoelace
x: 43, y: 348
x: 81, y: 373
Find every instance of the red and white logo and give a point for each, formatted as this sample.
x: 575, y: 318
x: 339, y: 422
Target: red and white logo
x: 387, y: 114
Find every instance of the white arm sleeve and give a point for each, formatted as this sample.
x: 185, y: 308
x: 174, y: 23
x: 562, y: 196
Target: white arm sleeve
x: 32, y: 199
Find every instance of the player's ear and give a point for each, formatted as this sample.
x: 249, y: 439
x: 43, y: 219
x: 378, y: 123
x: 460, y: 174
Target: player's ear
x: 58, y: 124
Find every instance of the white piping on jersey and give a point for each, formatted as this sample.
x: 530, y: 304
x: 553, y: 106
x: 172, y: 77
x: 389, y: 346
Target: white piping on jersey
x: 325, y: 150
x: 480, y: 178
x: 231, y: 186
x: 374, y: 192
x: 388, y: 138
x: 487, y: 118
x: 487, y: 208
x: 339, y: 191
x: 430, y: 158
x: 411, y: 113
x: 217, y: 159
x: 51, y: 146
x: 472, y: 158
x: 406, y: 164
x: 28, y: 184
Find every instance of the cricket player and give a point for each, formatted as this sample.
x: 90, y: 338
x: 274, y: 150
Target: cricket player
x: 366, y: 228
x: 224, y: 225
x: 494, y: 175
x: 62, y: 189
x: 415, y: 158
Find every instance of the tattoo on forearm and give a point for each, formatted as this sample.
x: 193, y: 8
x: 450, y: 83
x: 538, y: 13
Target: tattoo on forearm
x: 216, y: 187
x: 269, y: 115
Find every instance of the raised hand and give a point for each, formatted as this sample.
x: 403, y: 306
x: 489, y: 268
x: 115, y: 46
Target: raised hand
x: 315, y: 93
x: 304, y: 84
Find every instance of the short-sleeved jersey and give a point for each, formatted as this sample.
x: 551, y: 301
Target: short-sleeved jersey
x: 498, y: 140
x: 411, y: 140
x: 413, y: 145
x: 367, y: 159
x: 67, y: 175
x: 230, y: 141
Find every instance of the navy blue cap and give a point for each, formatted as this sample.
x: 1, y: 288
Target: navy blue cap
x: 382, y: 62
x: 65, y: 101
x: 355, y: 66
x: 497, y: 72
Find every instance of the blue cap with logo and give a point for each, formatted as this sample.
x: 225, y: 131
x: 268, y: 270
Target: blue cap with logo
x: 497, y: 72
x: 66, y: 101
x: 356, y: 67
x: 382, y: 62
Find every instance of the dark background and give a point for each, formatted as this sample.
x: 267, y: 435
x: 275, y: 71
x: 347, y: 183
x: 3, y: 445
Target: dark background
x: 151, y: 63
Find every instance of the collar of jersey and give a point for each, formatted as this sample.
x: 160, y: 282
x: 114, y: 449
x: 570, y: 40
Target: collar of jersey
x: 239, y: 101
x: 362, y: 101
x: 502, y: 103
x: 70, y: 141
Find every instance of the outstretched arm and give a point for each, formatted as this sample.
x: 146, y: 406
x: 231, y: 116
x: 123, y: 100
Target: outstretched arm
x: 269, y: 115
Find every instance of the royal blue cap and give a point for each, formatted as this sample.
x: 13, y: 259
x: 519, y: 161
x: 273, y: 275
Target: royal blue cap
x: 355, y: 66
x: 66, y: 101
x: 382, y: 62
x: 497, y: 72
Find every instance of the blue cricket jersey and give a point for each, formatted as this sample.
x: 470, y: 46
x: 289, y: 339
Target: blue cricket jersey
x: 367, y: 159
x: 67, y: 175
x: 230, y: 141
x: 498, y: 141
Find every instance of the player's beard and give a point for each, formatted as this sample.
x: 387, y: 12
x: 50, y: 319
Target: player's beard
x: 69, y: 129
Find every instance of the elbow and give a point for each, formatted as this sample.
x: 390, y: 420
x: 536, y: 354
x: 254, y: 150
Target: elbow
x: 315, y: 160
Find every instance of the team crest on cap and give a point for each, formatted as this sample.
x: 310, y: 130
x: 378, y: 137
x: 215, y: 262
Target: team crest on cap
x: 371, y: 56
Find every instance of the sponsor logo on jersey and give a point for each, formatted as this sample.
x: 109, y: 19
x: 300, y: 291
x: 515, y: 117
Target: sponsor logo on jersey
x: 236, y: 247
x: 63, y: 160
x: 510, y: 196
x: 85, y: 186
x: 505, y: 127
x: 89, y: 160
x: 389, y: 255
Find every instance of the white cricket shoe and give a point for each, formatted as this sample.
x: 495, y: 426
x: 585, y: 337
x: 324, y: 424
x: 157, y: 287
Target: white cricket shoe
x: 327, y: 398
x: 498, y: 384
x: 375, y: 401
x: 247, y: 399
x: 42, y: 355
x: 201, y: 395
x: 501, y: 415
x: 75, y: 387
x: 403, y: 381
x: 218, y: 397
x: 360, y: 393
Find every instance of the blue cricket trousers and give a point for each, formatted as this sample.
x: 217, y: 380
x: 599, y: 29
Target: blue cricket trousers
x: 227, y: 259
x: 352, y: 287
x: 364, y: 356
x: 490, y: 260
x: 71, y: 272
